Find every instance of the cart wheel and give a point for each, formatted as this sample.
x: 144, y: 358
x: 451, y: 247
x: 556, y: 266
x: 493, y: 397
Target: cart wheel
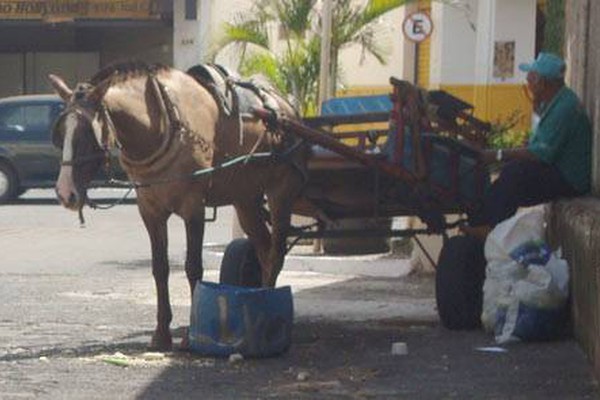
x: 240, y: 266
x: 459, y: 283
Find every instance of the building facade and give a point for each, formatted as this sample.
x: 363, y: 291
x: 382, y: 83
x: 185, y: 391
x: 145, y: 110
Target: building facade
x: 473, y: 51
x: 76, y: 38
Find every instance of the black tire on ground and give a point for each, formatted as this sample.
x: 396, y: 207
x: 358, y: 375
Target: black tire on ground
x: 240, y: 266
x: 8, y: 183
x: 459, y: 283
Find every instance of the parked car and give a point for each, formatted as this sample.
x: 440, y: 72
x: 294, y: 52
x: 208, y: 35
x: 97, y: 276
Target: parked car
x: 28, y: 158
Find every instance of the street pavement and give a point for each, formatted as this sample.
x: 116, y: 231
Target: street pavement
x: 77, y: 309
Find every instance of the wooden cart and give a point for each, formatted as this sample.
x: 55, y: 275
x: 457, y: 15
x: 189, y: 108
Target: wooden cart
x: 425, y: 163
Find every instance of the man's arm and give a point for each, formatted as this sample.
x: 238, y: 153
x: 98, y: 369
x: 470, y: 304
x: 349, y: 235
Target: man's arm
x: 491, y: 156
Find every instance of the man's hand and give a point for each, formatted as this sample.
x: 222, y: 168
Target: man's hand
x: 489, y: 156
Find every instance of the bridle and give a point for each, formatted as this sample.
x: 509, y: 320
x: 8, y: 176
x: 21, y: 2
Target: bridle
x: 104, y: 140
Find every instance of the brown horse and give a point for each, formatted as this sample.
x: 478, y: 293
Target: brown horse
x: 168, y: 126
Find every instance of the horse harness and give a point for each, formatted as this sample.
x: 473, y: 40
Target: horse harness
x: 177, y: 127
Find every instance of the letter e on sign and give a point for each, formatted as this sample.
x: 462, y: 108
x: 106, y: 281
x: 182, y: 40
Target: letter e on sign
x: 417, y: 26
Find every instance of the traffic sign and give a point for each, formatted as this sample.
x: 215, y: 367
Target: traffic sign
x: 417, y: 26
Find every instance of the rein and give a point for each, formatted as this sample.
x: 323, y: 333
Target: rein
x: 176, y: 127
x: 243, y: 159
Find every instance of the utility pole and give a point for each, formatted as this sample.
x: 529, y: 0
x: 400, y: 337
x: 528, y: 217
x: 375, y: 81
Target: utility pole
x: 325, y: 70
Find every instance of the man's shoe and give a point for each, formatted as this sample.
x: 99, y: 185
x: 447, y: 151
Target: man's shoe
x: 480, y: 232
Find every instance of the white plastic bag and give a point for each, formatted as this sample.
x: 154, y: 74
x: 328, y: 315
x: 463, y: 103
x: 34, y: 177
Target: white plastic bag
x: 502, y: 271
x: 537, y: 304
x: 526, y: 288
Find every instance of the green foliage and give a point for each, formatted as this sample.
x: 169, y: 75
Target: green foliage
x: 509, y: 139
x: 503, y: 134
x: 294, y: 66
x: 264, y: 64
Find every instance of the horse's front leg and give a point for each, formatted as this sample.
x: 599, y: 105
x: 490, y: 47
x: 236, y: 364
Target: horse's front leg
x: 194, y: 229
x: 157, y: 230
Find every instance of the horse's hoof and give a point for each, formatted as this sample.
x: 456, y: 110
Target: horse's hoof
x: 161, y: 342
x: 185, y: 343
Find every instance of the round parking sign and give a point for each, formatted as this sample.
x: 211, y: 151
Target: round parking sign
x: 417, y: 26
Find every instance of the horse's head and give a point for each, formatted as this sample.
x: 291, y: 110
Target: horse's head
x: 79, y: 133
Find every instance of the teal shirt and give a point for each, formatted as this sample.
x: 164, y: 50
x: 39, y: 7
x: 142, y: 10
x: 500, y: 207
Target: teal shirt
x: 563, y: 138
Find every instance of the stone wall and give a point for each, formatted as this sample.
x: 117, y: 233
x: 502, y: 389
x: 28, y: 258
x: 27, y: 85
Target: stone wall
x: 583, y: 58
x: 575, y: 225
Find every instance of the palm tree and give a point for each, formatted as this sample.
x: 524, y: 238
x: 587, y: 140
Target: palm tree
x: 295, y: 67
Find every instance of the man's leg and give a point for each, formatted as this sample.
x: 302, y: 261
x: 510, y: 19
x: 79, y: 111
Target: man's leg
x: 520, y: 184
x: 523, y: 184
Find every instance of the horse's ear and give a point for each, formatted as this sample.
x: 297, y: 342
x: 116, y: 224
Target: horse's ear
x: 99, y: 91
x: 60, y: 87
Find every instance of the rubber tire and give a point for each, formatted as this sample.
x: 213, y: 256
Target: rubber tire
x: 459, y: 283
x: 6, y: 172
x: 240, y: 265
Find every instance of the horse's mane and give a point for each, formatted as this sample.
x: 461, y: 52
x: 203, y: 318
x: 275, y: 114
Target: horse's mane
x: 122, y: 71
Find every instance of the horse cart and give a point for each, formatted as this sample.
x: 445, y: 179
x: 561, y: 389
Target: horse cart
x: 186, y: 144
x: 424, y: 162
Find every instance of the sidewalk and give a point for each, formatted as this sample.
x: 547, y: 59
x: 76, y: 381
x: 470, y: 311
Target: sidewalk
x: 71, y: 297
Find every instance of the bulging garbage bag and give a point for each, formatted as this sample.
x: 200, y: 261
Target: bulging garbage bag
x: 526, y: 287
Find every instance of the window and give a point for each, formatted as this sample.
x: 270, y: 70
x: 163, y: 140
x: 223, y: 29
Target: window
x: 27, y: 120
x: 191, y: 9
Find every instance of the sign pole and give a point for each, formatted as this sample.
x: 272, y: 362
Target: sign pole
x: 324, y: 73
x: 325, y: 68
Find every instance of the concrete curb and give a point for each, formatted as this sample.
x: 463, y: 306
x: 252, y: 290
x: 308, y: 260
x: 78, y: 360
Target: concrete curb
x: 375, y: 265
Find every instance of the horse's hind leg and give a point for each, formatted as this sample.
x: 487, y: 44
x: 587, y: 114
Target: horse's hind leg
x: 280, y: 199
x: 253, y: 223
x: 157, y: 230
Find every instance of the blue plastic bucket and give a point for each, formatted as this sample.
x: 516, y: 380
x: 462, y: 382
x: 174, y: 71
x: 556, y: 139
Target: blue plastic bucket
x: 255, y: 322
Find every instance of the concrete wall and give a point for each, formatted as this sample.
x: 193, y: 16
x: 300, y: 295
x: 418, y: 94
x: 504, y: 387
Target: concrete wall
x: 515, y: 21
x: 462, y: 59
x: 360, y: 70
x: 583, y: 73
x: 191, y: 38
x: 575, y: 225
x: 453, y: 41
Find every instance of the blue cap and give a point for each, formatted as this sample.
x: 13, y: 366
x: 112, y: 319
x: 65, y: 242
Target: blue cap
x: 547, y: 65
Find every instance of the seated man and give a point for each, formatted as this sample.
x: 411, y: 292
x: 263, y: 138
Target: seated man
x: 557, y: 161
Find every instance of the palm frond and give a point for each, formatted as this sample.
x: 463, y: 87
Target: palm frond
x: 249, y: 32
x: 376, y: 8
x: 295, y: 67
x: 295, y: 15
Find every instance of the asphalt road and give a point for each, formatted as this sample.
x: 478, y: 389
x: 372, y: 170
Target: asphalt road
x: 77, y: 309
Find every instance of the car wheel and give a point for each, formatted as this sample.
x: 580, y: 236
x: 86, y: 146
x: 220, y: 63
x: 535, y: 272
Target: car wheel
x: 8, y: 183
